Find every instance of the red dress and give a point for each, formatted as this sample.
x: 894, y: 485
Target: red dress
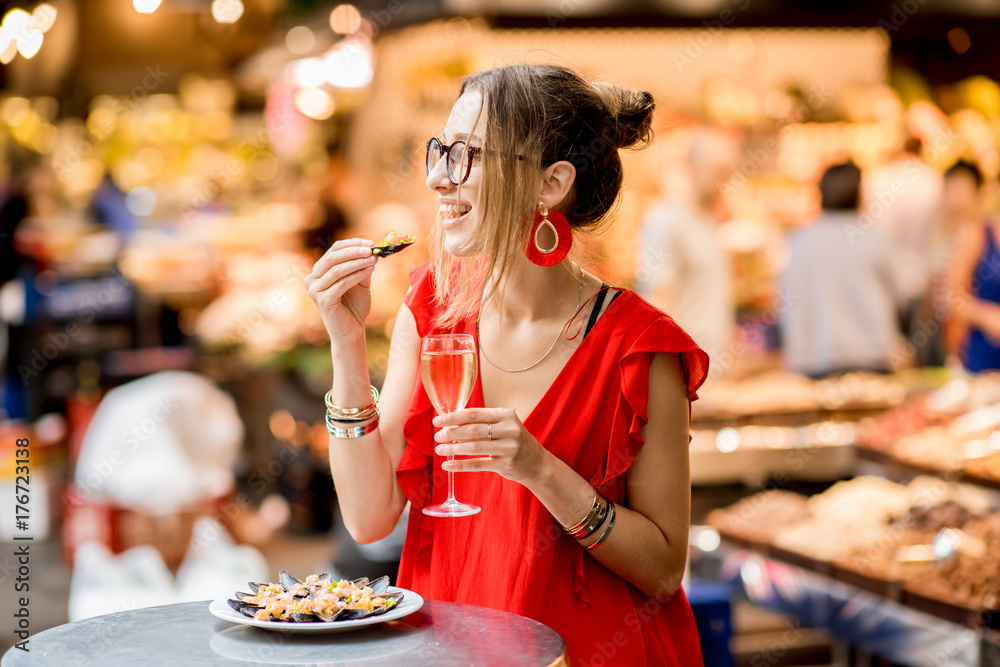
x: 513, y: 555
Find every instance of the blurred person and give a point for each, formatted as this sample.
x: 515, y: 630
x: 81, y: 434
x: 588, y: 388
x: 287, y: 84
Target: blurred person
x: 330, y: 217
x: 684, y: 269
x: 902, y: 198
x: 973, y: 283
x: 26, y: 194
x: 109, y: 208
x: 580, y: 406
x: 961, y: 206
x: 18, y: 201
x: 13, y: 210
x: 840, y: 287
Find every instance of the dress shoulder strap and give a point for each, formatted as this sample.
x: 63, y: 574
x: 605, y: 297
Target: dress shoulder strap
x: 598, y: 304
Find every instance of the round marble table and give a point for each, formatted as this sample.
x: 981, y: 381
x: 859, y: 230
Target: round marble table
x: 440, y: 634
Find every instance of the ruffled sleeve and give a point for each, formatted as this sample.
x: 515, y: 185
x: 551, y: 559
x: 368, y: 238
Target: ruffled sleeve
x: 660, y: 334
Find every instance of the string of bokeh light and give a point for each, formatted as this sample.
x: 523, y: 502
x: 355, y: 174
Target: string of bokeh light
x: 345, y: 19
x: 346, y: 65
x: 223, y: 11
x: 22, y: 32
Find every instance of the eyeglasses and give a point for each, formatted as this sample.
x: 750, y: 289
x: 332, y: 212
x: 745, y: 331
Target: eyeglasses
x: 460, y: 157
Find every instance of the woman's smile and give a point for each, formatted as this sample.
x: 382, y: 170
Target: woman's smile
x: 453, y: 214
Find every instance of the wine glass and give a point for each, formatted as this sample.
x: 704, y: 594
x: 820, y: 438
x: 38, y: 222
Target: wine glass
x: 448, y: 371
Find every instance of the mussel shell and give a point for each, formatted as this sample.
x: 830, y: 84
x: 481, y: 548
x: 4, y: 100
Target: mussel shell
x: 391, y: 601
x: 287, y: 581
x: 254, y: 585
x: 333, y: 617
x: 244, y: 608
x: 240, y: 595
x: 379, y: 586
x: 351, y: 614
x: 250, y: 611
x: 237, y: 605
x: 385, y: 251
x: 303, y: 617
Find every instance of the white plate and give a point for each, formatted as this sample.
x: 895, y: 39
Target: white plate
x: 411, y: 602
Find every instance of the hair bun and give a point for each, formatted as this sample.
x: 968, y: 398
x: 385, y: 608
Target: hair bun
x: 632, y: 113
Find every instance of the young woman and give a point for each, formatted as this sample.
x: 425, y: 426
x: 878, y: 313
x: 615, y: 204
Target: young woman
x: 580, y: 412
x: 974, y: 278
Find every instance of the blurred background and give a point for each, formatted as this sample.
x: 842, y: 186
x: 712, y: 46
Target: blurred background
x: 170, y: 170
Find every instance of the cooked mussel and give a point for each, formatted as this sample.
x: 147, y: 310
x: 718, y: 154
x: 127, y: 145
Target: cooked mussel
x: 385, y: 251
x: 318, y: 583
x: 293, y: 585
x: 379, y: 586
x: 254, y: 586
x: 392, y: 243
x: 287, y: 581
x: 303, y: 617
x: 351, y: 614
x: 328, y: 617
x: 245, y: 608
x: 391, y: 600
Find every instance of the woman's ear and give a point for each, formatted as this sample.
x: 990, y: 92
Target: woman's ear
x: 557, y: 183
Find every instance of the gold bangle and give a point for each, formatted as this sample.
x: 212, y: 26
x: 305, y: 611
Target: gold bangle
x: 590, y: 515
x: 607, y: 531
x: 360, y: 417
x: 597, y: 522
x: 348, y: 433
x: 348, y: 414
x: 375, y: 412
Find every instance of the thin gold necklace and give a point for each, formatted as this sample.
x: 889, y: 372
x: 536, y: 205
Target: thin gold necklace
x: 482, y: 350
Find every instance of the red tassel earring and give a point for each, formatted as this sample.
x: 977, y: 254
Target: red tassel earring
x: 544, y: 253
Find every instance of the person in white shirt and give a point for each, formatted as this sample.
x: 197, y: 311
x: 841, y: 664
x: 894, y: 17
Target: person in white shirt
x: 683, y: 268
x: 841, y: 287
x: 903, y: 199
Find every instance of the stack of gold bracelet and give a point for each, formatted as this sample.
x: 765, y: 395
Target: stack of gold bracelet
x: 601, y: 510
x: 335, y: 416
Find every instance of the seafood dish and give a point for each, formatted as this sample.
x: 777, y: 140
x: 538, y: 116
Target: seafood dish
x: 318, y: 598
x: 393, y: 243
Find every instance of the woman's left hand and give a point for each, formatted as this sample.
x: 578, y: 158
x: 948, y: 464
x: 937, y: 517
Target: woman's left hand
x: 497, y: 436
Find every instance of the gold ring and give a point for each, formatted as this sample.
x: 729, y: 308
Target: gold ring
x: 490, y: 436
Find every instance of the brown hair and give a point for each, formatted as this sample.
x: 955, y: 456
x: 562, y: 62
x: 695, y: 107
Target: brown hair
x: 542, y: 114
x: 840, y: 187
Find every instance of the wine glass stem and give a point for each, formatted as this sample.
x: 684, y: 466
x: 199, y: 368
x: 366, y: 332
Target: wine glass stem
x: 451, y: 485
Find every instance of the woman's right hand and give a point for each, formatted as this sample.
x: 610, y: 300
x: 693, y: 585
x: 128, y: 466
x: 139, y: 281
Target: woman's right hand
x: 340, y: 284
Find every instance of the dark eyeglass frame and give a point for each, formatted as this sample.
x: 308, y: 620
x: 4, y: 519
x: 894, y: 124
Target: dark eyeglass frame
x: 445, y: 149
x: 472, y: 154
